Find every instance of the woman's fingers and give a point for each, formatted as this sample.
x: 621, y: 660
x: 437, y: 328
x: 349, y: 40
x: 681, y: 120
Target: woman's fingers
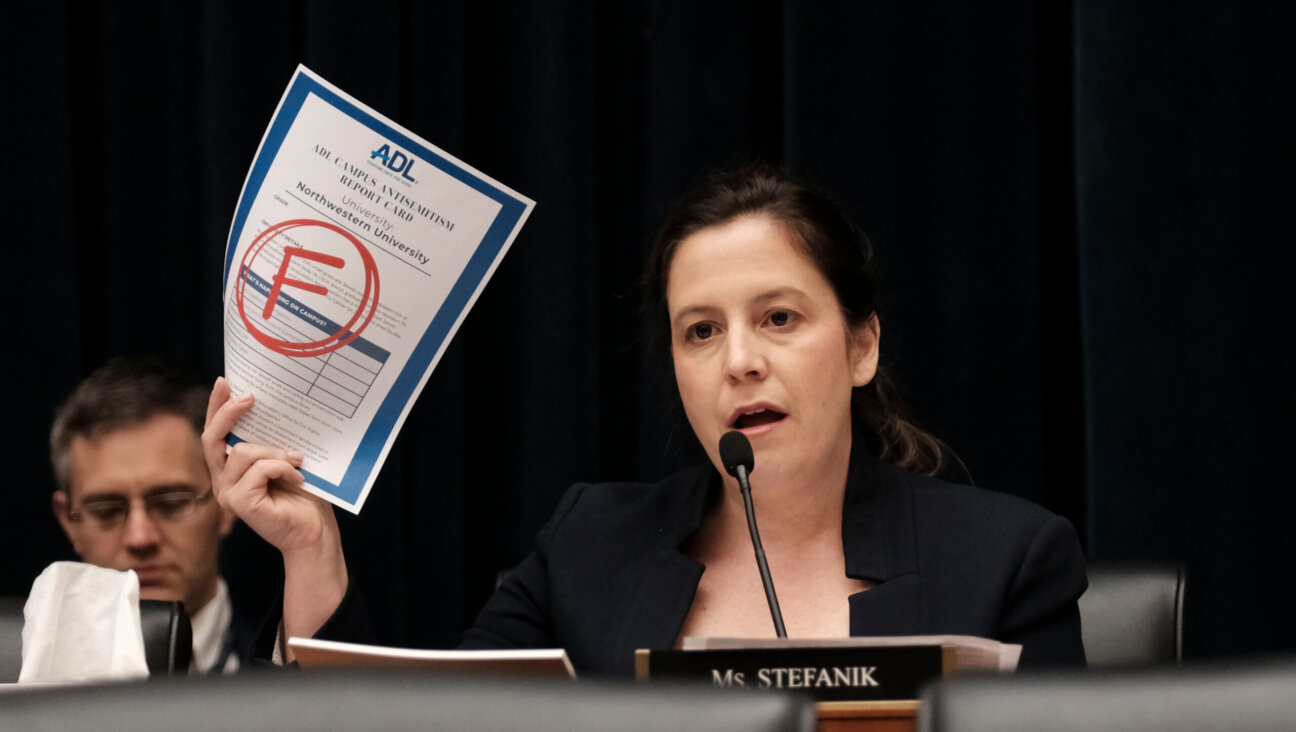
x: 270, y: 500
x: 253, y: 485
x: 219, y: 395
x: 240, y: 466
x: 242, y: 456
x: 258, y: 483
x: 213, y: 442
x: 222, y: 414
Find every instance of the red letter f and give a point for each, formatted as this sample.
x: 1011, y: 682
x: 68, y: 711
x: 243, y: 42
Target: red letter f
x: 282, y: 278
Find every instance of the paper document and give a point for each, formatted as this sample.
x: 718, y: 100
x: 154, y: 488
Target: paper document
x: 356, y: 250
x: 970, y: 652
x: 525, y: 662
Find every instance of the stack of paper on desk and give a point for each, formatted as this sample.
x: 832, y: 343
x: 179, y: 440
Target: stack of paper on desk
x: 970, y: 652
x: 531, y: 662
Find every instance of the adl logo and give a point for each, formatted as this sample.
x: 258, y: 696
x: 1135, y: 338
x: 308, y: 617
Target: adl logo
x: 395, y: 161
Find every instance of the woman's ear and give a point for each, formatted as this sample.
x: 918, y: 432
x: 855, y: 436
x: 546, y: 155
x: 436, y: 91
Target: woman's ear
x: 862, y: 350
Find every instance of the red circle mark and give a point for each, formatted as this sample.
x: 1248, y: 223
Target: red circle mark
x: 324, y: 345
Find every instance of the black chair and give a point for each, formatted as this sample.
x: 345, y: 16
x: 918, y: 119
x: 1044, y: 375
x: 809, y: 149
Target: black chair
x: 1132, y: 614
x: 1256, y: 696
x: 168, y: 637
x: 321, y: 700
x: 11, y: 625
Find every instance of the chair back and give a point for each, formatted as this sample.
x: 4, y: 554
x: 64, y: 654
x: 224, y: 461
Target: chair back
x: 1254, y: 696
x: 168, y: 637
x: 1132, y: 614
x: 11, y: 625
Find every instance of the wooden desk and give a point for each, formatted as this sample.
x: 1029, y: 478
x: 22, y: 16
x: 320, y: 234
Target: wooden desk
x: 875, y: 716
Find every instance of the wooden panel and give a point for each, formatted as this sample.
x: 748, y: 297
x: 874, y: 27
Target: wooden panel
x: 881, y: 716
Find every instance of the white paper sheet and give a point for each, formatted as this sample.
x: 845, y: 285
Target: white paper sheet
x: 972, y: 652
x: 370, y: 245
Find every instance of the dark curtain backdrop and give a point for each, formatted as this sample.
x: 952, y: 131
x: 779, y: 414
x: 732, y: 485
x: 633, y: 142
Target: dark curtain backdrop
x: 1081, y: 212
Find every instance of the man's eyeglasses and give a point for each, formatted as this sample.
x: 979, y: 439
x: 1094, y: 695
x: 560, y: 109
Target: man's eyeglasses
x: 110, y: 513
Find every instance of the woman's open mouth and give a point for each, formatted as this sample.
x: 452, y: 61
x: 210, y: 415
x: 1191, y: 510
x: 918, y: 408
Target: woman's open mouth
x: 757, y: 418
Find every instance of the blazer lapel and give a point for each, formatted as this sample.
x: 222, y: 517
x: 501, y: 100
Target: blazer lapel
x: 878, y: 539
x: 662, y: 602
x: 880, y: 546
x: 668, y: 579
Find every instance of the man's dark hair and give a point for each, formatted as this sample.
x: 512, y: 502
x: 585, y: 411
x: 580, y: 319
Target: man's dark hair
x: 122, y: 392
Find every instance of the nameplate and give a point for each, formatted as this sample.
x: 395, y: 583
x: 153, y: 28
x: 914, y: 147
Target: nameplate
x: 826, y: 673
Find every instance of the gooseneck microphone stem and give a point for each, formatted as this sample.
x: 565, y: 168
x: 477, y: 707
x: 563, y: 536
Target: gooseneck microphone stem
x: 741, y: 473
x: 738, y: 459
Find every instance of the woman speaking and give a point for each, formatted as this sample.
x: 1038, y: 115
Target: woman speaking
x: 761, y: 298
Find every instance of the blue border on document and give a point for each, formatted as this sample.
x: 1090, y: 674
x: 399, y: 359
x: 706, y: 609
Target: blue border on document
x: 362, y: 463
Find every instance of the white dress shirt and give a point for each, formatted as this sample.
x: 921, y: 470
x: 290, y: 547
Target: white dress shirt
x: 211, y: 626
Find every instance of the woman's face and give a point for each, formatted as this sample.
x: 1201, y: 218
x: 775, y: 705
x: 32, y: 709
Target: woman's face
x: 760, y: 345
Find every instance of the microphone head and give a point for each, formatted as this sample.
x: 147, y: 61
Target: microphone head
x: 735, y: 450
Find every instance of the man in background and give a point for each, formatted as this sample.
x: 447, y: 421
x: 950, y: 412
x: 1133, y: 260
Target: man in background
x: 134, y: 493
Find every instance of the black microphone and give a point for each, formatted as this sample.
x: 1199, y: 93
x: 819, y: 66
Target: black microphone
x: 736, y: 455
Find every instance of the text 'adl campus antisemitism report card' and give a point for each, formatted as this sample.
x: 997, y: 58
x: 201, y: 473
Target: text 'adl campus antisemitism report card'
x: 356, y: 250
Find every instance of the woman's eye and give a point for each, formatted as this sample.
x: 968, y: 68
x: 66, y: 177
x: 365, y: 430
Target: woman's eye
x: 780, y: 318
x: 701, y: 331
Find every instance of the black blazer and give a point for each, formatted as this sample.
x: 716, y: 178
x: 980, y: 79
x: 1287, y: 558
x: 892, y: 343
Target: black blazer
x: 607, y: 576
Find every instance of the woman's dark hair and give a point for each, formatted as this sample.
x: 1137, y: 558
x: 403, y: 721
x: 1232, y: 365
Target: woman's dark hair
x: 840, y: 252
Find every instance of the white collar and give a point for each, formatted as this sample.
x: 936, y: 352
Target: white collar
x: 210, y: 625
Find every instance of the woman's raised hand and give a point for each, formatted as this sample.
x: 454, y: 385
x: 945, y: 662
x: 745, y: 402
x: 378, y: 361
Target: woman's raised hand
x: 261, y: 484
x: 263, y: 487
